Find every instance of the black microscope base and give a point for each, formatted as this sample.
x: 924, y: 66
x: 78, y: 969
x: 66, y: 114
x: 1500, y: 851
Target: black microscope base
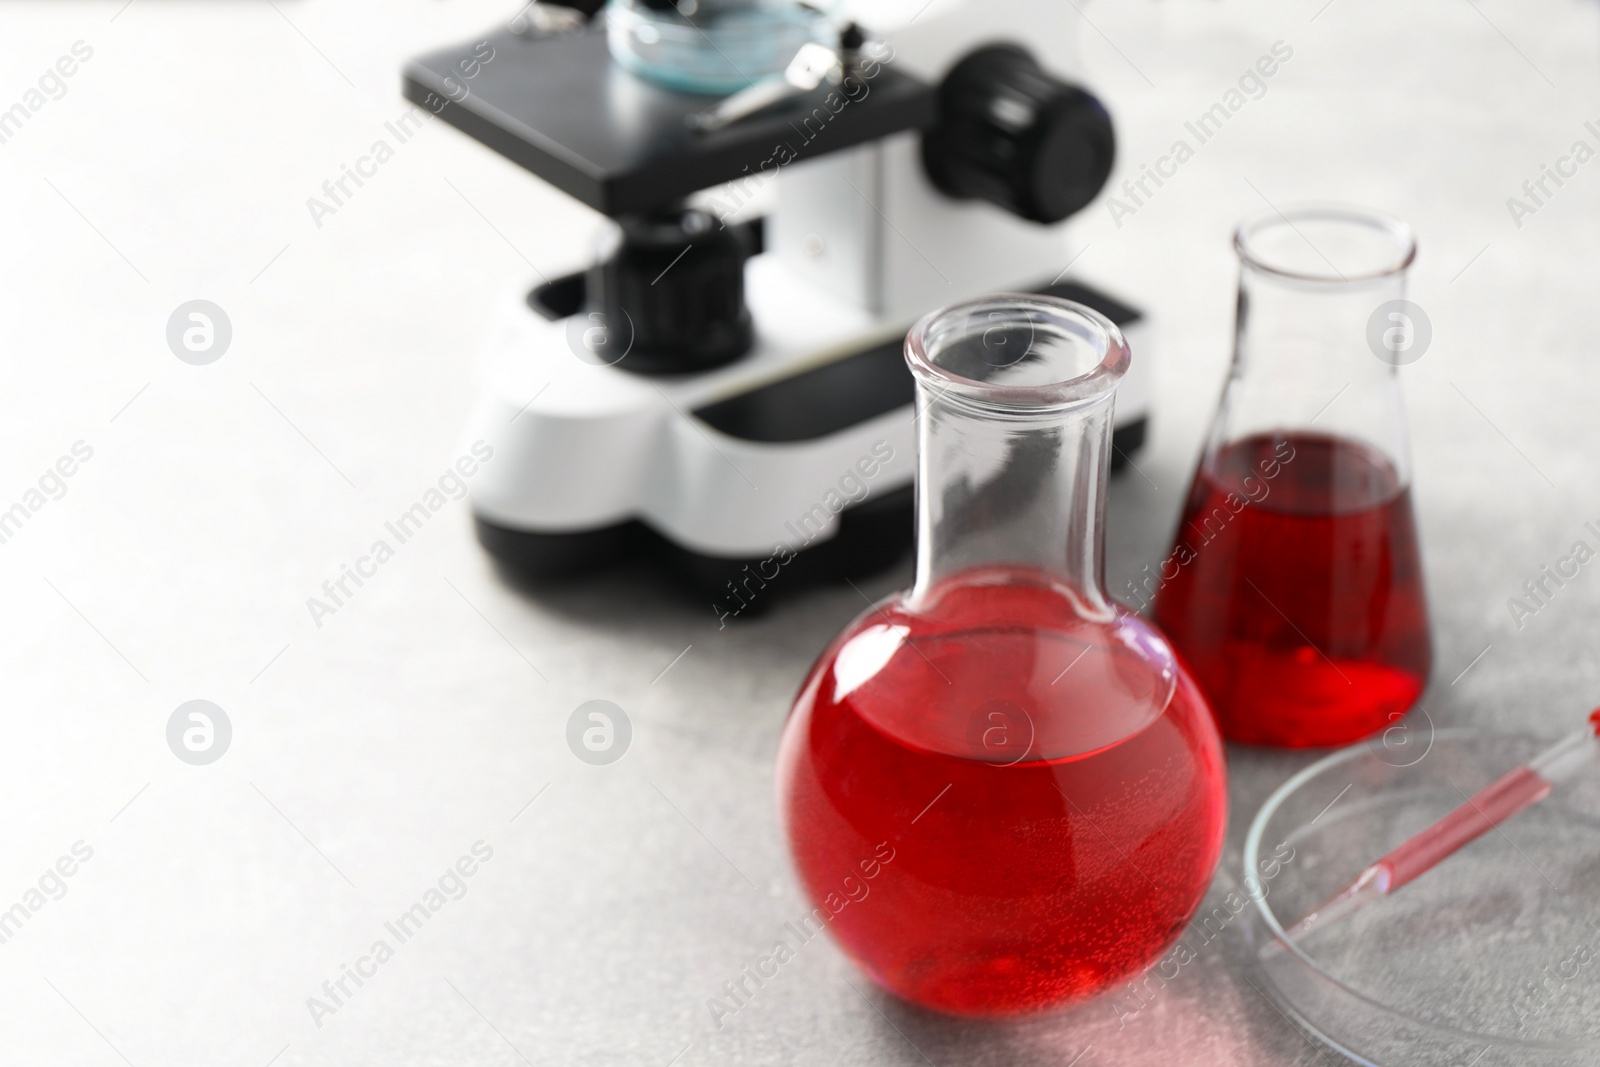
x: 872, y: 537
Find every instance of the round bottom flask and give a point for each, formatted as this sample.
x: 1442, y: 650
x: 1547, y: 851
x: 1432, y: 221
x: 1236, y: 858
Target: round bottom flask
x: 1001, y: 790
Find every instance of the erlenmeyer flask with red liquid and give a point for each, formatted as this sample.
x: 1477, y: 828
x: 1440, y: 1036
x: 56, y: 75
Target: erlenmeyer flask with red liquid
x: 1294, y: 587
x: 1001, y: 790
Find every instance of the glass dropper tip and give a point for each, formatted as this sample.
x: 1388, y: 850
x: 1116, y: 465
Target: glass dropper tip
x: 1373, y: 883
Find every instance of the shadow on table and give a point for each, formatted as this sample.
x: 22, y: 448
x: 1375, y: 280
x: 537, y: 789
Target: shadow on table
x: 1207, y: 1014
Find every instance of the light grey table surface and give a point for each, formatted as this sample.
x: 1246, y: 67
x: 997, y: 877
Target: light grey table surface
x: 371, y: 752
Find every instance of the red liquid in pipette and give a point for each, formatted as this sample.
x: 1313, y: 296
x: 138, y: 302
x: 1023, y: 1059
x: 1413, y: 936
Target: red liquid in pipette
x: 1520, y: 788
x: 1302, y: 614
x: 1507, y: 795
x: 1511, y: 793
x: 1059, y: 865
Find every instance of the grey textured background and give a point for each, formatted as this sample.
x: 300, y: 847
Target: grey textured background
x: 368, y: 754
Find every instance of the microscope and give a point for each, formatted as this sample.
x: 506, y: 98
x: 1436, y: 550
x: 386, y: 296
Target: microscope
x: 724, y: 392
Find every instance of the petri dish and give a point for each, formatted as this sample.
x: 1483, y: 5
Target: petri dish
x: 712, y: 47
x: 1491, y: 958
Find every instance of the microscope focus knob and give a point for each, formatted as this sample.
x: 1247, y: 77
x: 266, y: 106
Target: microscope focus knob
x: 1012, y: 134
x: 673, y: 285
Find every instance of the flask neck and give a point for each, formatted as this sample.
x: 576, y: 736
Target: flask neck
x: 1322, y: 328
x: 1023, y: 494
x: 1014, y: 397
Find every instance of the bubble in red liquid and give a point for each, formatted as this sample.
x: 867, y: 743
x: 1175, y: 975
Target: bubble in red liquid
x: 1050, y: 790
x: 1297, y: 597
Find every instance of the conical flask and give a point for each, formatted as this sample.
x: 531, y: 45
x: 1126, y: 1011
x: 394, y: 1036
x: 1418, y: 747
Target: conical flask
x: 1000, y: 789
x: 1294, y: 588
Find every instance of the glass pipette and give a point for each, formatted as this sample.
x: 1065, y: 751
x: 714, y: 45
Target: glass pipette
x: 1507, y: 795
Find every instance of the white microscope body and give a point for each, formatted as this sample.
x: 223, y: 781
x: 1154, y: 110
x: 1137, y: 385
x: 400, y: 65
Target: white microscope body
x: 744, y: 468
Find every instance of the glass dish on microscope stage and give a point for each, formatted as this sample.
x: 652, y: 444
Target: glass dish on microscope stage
x: 711, y: 46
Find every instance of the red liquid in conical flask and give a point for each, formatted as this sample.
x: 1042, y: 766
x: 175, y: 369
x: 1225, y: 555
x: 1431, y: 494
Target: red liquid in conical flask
x: 1049, y: 790
x: 1301, y: 612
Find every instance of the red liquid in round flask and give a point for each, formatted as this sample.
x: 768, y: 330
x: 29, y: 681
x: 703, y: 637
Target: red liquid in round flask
x: 1002, y: 792
x: 1294, y: 588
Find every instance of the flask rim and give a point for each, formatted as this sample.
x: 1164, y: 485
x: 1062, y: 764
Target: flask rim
x: 1246, y: 241
x: 1066, y: 318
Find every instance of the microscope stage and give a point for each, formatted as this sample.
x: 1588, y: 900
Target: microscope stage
x: 561, y: 108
